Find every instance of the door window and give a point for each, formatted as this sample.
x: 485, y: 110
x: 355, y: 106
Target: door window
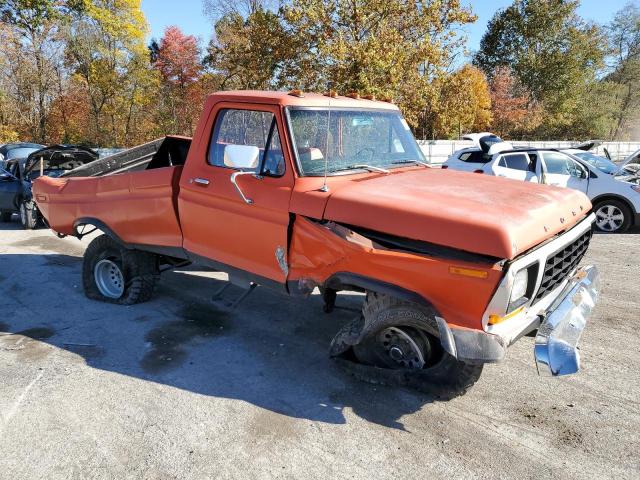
x: 560, y: 164
x: 249, y: 128
x: 516, y: 161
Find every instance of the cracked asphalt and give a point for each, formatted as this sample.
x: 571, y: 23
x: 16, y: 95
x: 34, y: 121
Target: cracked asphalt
x: 181, y: 387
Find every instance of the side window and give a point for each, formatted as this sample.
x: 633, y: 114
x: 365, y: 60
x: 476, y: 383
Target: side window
x: 474, y: 157
x: 235, y: 130
x: 558, y: 163
x: 516, y: 161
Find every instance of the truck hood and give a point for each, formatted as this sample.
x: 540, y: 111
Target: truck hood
x: 476, y: 213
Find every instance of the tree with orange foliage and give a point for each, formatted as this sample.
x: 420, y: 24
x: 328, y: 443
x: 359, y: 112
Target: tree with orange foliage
x: 178, y: 59
x: 514, y: 113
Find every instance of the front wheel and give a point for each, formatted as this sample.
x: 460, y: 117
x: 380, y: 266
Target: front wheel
x: 111, y: 273
x: 612, y: 216
x: 28, y: 215
x: 401, y: 339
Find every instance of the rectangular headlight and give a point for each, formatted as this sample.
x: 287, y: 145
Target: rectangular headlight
x: 520, y: 283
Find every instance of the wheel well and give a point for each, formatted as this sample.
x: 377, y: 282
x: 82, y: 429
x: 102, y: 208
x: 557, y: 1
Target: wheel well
x: 354, y: 281
x: 618, y: 198
x: 97, y: 225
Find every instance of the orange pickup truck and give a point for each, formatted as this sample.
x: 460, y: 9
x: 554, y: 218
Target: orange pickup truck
x: 297, y: 190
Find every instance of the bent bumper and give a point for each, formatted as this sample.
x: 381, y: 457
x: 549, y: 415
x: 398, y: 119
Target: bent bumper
x: 556, y: 345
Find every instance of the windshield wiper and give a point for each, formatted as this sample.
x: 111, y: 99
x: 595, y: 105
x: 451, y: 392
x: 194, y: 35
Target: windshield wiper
x: 412, y: 161
x: 371, y: 168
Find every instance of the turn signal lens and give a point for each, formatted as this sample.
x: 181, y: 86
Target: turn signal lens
x: 636, y: 188
x: 354, y: 95
x: 468, y: 272
x: 495, y: 319
x: 296, y: 93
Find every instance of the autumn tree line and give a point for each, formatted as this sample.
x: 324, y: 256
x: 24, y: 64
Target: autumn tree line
x: 83, y: 71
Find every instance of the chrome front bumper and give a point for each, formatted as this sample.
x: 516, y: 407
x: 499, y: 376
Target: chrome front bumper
x: 556, y: 346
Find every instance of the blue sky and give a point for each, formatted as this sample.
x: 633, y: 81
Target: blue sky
x: 187, y: 14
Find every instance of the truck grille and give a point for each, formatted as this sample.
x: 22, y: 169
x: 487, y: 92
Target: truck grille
x: 560, y: 264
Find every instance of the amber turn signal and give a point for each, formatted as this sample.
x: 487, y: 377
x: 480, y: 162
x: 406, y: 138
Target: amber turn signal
x: 468, y: 272
x: 494, y: 319
x: 297, y: 93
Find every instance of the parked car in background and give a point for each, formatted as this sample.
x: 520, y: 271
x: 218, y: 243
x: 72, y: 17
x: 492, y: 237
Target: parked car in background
x: 616, y: 201
x: 12, y: 151
x: 17, y: 175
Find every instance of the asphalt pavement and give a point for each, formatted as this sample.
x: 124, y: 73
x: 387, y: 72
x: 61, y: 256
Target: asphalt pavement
x: 181, y: 387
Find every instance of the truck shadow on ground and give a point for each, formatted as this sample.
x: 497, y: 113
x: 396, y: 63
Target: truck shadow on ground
x: 271, y: 351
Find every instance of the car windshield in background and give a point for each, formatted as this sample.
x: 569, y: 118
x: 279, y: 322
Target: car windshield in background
x: 601, y: 163
x: 354, y: 140
x: 20, y: 152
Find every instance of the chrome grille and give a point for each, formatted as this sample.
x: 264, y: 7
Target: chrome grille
x: 560, y: 264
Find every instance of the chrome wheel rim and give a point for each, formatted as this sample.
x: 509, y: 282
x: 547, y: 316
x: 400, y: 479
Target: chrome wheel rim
x: 609, y: 218
x: 109, y: 278
x: 401, y: 349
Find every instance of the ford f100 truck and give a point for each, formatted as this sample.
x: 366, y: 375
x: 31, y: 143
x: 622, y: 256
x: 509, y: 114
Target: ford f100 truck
x: 296, y: 190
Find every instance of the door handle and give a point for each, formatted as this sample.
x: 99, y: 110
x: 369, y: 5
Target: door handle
x: 200, y: 181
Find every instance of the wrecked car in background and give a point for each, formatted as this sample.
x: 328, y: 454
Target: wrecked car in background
x: 15, y: 151
x: 17, y: 176
x: 295, y: 191
x: 615, y: 199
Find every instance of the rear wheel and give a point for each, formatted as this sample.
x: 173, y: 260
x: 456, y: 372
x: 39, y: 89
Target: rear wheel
x: 402, y: 338
x: 28, y: 215
x: 612, y: 216
x: 111, y: 273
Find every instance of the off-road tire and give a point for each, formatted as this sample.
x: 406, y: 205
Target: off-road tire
x: 28, y: 215
x: 140, y: 271
x: 5, y: 216
x: 626, y: 211
x: 444, y: 375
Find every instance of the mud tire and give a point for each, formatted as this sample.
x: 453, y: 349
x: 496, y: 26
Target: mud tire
x: 443, y: 376
x: 139, y: 269
x: 28, y: 215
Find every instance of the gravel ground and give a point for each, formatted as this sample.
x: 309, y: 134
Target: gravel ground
x: 180, y: 388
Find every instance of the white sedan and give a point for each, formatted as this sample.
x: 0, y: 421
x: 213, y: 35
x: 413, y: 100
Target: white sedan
x: 615, y: 196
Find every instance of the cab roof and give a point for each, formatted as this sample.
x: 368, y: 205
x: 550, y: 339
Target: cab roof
x: 308, y: 99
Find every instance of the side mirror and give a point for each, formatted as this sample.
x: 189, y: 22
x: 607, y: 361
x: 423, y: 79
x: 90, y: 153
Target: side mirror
x: 241, y: 156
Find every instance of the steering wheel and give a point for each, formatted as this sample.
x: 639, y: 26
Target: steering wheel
x: 371, y: 151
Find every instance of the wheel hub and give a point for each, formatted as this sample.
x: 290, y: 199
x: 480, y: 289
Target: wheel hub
x: 109, y: 278
x: 402, y: 348
x: 609, y: 218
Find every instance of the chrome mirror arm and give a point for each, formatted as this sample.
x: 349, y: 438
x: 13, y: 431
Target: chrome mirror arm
x: 234, y: 175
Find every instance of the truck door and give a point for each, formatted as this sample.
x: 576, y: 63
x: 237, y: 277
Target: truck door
x: 235, y: 191
x: 517, y: 166
x: 561, y: 170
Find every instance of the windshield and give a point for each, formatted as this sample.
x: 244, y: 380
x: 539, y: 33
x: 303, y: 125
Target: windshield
x: 601, y: 163
x: 354, y: 139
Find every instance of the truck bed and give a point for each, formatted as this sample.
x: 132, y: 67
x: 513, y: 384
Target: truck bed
x: 133, y: 192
